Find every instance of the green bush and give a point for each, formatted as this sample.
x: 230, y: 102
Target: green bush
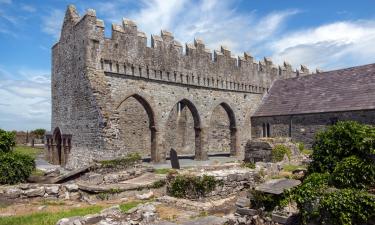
x: 7, y: 140
x: 341, y: 159
x: 339, y: 141
x: 267, y: 201
x: 346, y: 207
x: 15, y: 168
x: 353, y: 172
x: 249, y: 165
x: 301, y: 147
x: 279, y: 151
x: 187, y: 186
x: 129, y: 160
x: 307, y: 195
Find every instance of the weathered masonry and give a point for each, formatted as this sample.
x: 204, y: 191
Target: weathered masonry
x: 299, y: 107
x: 112, y: 96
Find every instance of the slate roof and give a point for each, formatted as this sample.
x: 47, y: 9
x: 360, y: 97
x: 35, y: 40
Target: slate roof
x: 339, y: 90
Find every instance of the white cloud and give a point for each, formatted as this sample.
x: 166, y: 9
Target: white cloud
x: 28, y: 8
x: 216, y: 22
x: 25, y: 101
x: 330, y: 46
x: 52, y: 23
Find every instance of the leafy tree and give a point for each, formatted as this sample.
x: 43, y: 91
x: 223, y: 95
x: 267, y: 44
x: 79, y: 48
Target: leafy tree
x: 39, y: 133
x: 7, y: 140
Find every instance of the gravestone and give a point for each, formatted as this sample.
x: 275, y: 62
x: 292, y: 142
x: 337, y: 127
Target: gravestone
x: 174, y: 159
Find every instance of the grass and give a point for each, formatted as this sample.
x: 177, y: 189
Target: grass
x: 307, y: 151
x: 125, y: 207
x: 37, y: 172
x: 129, y: 205
x: 128, y: 160
x: 48, y: 218
x: 26, y: 150
x: 291, y: 168
x: 163, y: 170
x: 49, y: 202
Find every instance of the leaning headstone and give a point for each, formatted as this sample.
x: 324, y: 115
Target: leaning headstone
x: 174, y: 159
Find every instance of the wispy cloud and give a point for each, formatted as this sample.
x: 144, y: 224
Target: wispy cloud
x: 330, y: 46
x: 25, y: 101
x: 216, y: 22
x: 28, y: 8
x: 52, y: 23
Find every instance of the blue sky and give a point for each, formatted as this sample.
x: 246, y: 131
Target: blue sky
x: 320, y: 34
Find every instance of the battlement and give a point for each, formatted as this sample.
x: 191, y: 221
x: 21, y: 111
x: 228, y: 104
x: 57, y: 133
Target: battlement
x: 126, y: 52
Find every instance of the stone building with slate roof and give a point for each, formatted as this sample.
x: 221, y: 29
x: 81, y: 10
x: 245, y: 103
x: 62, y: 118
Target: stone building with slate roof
x: 116, y: 95
x: 301, y: 106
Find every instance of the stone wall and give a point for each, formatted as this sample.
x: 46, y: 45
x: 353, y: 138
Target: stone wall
x: 260, y: 149
x: 302, y: 128
x: 115, y: 95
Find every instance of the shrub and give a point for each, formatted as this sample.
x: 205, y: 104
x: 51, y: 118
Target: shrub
x: 126, y: 161
x: 353, y: 172
x: 15, y: 168
x: 249, y: 165
x: 341, y: 159
x: 301, y: 147
x: 339, y: 141
x: 187, y: 186
x: 7, y: 140
x: 279, y: 151
x: 265, y: 200
x: 307, y: 195
x: 158, y: 184
x: 346, y: 207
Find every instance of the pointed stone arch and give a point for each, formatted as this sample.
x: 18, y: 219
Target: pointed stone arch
x: 57, y: 149
x: 233, y: 136
x: 151, y: 121
x: 199, y: 151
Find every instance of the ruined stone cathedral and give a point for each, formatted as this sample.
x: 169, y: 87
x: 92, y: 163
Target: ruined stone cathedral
x: 114, y: 96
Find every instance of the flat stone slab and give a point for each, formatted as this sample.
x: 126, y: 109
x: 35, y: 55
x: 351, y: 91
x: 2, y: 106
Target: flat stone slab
x: 195, y: 205
x: 208, y: 220
x: 70, y: 175
x: 277, y: 186
x: 143, y: 181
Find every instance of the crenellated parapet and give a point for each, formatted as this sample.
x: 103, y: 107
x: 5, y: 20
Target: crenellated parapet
x: 126, y: 53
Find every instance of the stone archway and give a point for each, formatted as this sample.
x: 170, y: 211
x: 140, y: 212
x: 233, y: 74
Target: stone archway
x: 57, y: 153
x: 184, y: 115
x: 135, y: 121
x: 223, y: 130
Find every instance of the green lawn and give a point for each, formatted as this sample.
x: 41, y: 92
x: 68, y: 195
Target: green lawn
x: 26, y: 150
x: 48, y: 218
x: 291, y: 168
x: 129, y: 205
x: 163, y: 170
